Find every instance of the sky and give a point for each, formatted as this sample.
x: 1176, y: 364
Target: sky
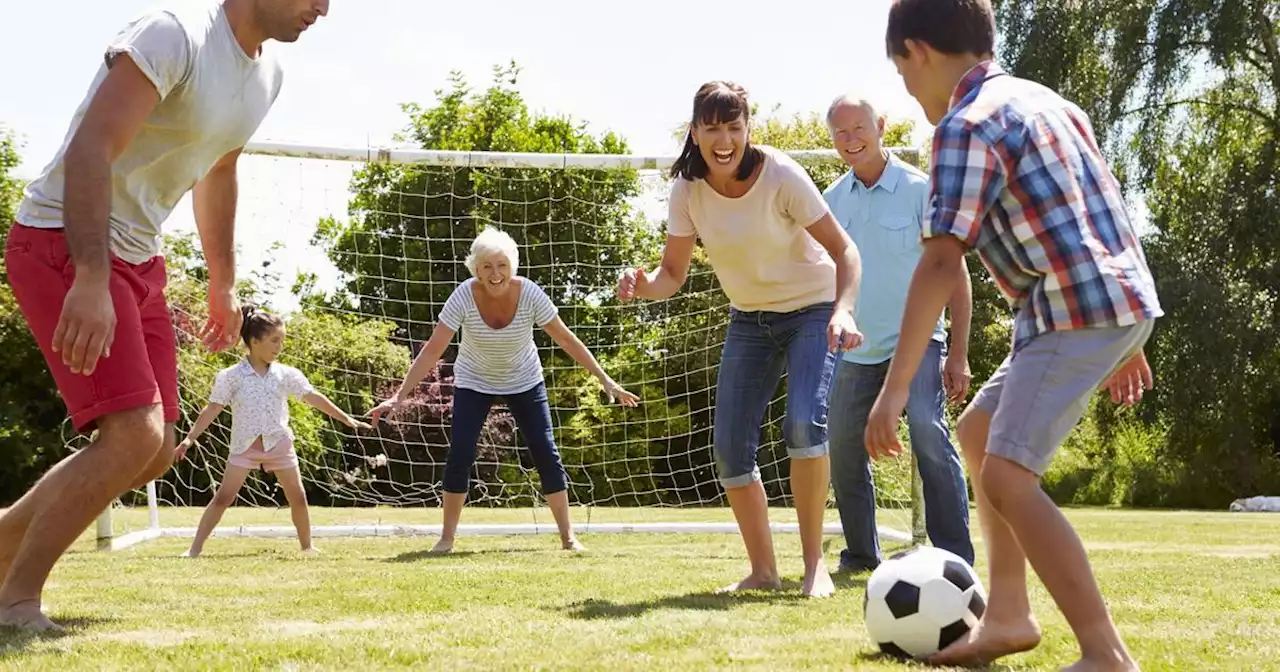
x: 631, y: 68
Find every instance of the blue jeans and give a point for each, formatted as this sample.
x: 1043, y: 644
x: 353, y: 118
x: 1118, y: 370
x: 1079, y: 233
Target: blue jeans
x: 532, y: 414
x: 946, y: 499
x: 757, y: 348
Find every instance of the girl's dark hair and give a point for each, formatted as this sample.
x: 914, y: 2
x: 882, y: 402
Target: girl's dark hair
x: 716, y: 103
x: 257, y: 323
x: 951, y: 26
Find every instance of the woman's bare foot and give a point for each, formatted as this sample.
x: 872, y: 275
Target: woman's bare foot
x: 311, y: 550
x: 753, y: 583
x: 28, y: 616
x: 572, y: 545
x: 1089, y: 665
x: 818, y: 583
x: 989, y: 641
x: 445, y: 545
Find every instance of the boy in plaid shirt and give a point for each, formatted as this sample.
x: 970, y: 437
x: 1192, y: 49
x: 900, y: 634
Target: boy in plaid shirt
x: 1018, y: 176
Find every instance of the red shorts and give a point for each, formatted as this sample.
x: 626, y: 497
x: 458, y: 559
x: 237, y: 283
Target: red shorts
x: 143, y: 366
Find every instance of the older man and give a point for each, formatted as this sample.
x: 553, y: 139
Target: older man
x: 881, y: 202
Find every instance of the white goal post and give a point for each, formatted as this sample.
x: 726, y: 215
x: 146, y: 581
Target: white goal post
x: 421, y: 459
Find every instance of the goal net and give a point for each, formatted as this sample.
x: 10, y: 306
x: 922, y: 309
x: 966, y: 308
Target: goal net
x: 359, y: 249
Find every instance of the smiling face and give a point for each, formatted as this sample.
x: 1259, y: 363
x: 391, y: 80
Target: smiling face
x: 722, y: 144
x: 494, y: 273
x: 856, y: 133
x: 268, y: 347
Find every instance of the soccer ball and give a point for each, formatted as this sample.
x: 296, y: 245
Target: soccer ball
x: 920, y: 601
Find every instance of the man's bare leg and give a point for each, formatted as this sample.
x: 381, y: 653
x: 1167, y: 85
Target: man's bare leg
x: 1008, y: 626
x: 127, y: 441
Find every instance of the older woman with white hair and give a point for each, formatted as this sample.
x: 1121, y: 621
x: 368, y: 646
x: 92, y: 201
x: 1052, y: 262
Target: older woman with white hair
x: 496, y: 310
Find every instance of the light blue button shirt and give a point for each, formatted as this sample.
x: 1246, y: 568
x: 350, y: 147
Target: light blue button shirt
x: 884, y: 222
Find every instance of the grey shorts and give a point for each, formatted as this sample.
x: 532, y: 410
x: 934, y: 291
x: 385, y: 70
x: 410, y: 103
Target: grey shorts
x: 1039, y: 393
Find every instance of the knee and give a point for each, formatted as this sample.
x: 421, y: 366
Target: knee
x: 1004, y: 482
x: 136, y: 435
x: 223, y: 499
x: 972, y: 429
x: 806, y: 436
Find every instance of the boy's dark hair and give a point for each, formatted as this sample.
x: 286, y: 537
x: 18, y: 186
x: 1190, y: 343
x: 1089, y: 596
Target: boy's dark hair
x: 950, y: 26
x: 257, y: 323
x: 716, y: 103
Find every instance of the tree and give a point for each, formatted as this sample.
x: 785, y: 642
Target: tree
x: 1183, y: 95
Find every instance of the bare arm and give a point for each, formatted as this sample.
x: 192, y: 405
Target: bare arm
x: 667, y: 279
x: 569, y: 342
x: 207, y: 416
x: 330, y: 409
x: 117, y: 112
x: 87, y: 324
x: 425, y: 361
x: 961, y: 309
x: 934, y: 283
x: 836, y: 241
x: 214, y: 201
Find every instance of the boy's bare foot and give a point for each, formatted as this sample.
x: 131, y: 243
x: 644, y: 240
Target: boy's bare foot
x: 312, y: 551
x: 28, y: 616
x: 1125, y: 664
x: 572, y: 545
x: 817, y: 583
x: 753, y: 583
x: 189, y: 553
x: 445, y: 545
x: 989, y: 641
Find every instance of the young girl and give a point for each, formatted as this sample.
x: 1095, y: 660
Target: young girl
x: 257, y: 389
x: 496, y: 311
x: 791, y: 275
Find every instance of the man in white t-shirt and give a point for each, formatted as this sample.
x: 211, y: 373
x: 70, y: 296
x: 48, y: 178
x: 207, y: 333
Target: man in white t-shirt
x: 177, y: 97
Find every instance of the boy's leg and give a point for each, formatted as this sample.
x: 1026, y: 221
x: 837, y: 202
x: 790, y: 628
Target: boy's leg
x: 853, y: 393
x: 810, y: 370
x: 946, y: 495
x: 1046, y: 390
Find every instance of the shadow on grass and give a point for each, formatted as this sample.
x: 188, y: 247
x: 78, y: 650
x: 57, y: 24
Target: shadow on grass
x: 14, y: 640
x: 869, y: 657
x: 595, y: 609
x: 426, y: 554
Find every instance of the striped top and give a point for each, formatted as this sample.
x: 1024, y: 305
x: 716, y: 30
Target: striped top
x: 1017, y: 174
x: 497, y: 361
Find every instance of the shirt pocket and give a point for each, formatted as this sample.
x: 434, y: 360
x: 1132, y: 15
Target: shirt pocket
x: 897, y: 233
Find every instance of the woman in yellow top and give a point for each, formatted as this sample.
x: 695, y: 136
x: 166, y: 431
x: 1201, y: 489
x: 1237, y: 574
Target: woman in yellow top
x: 791, y: 274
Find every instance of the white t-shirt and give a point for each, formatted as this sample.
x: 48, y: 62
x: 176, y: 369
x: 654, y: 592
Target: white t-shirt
x: 213, y: 96
x: 497, y: 361
x: 259, y: 403
x: 758, y: 244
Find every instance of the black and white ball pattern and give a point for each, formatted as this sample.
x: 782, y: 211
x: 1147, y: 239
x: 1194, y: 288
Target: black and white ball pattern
x: 920, y: 601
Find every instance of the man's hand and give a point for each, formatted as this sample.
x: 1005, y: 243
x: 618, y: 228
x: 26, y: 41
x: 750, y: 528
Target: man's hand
x: 956, y: 376
x: 87, y: 325
x: 223, y: 326
x: 1128, y: 382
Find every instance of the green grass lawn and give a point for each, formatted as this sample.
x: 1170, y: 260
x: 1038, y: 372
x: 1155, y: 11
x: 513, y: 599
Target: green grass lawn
x: 1190, y: 591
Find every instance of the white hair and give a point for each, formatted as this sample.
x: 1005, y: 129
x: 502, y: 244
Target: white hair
x: 492, y: 241
x: 853, y: 100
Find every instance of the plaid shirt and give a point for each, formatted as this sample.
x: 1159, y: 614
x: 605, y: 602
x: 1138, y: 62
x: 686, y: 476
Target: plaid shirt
x: 1017, y: 174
